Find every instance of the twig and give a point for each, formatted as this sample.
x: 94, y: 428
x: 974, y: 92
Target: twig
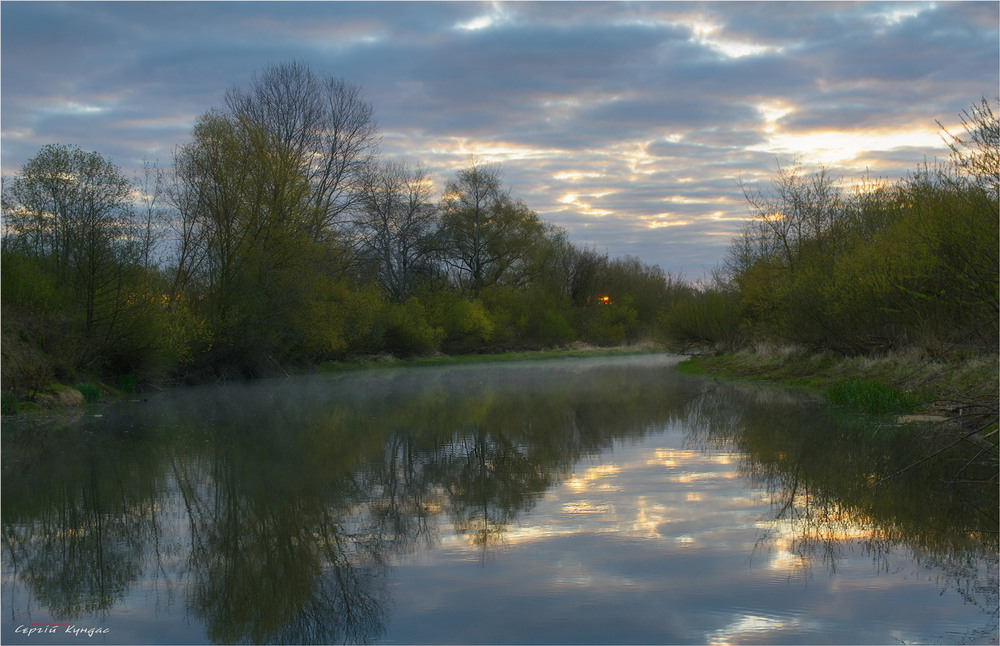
x: 936, y: 453
x: 965, y: 466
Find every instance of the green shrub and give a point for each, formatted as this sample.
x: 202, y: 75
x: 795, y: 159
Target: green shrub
x: 28, y: 283
x: 711, y: 317
x: 610, y: 324
x: 407, y: 330
x: 528, y: 317
x: 466, y: 325
x: 553, y: 328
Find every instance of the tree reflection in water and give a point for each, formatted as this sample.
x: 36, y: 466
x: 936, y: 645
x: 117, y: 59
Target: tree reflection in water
x: 835, y: 481
x: 77, y: 516
x: 292, y: 507
x: 277, y: 507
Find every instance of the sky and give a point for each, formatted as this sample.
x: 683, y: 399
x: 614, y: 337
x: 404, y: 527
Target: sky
x: 630, y: 125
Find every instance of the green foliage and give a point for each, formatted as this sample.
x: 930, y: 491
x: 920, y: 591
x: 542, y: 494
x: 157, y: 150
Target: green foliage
x: 407, y: 330
x: 266, y: 269
x: 612, y: 324
x: 528, y: 317
x: 345, y: 319
x: 488, y: 237
x: 466, y: 324
x: 553, y: 329
x: 26, y: 368
x: 30, y: 284
x: 75, y: 260
x: 71, y: 210
x: 91, y: 392
x: 645, y: 289
x: 186, y: 337
x: 710, y: 317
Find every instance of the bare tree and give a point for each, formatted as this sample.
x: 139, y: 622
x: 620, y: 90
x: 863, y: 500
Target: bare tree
x: 977, y: 152
x: 151, y: 187
x: 395, y: 226
x: 182, y: 194
x: 797, y: 208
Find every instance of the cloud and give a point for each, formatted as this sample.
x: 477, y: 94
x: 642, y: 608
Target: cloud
x: 648, y: 113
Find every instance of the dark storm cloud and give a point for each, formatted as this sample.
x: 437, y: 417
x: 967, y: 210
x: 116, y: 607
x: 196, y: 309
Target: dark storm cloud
x: 630, y: 124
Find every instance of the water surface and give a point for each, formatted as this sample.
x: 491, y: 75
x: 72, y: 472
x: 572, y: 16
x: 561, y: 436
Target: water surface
x: 567, y: 501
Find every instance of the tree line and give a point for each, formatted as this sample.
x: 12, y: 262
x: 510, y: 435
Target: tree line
x: 278, y: 236
x: 871, y: 267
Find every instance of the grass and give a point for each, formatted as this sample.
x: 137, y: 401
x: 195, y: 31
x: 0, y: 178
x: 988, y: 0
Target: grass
x: 91, y: 392
x: 872, y: 396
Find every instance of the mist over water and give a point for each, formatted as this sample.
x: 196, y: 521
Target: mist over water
x: 564, y: 501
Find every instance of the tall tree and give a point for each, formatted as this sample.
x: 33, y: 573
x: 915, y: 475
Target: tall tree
x: 321, y: 123
x: 487, y: 236
x: 260, y: 194
x: 246, y: 230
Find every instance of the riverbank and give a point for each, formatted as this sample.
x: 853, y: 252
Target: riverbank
x: 58, y: 396
x: 578, y: 350
x: 910, y: 383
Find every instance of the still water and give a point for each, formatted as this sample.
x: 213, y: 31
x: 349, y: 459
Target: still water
x: 570, y: 501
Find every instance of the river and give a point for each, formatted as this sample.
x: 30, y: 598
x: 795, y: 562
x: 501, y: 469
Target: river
x: 605, y: 500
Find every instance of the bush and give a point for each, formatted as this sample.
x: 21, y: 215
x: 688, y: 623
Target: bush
x: 913, y: 262
x: 407, y: 330
x: 611, y: 324
x: 466, y: 325
x: 528, y: 317
x: 710, y: 318
x: 553, y: 329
